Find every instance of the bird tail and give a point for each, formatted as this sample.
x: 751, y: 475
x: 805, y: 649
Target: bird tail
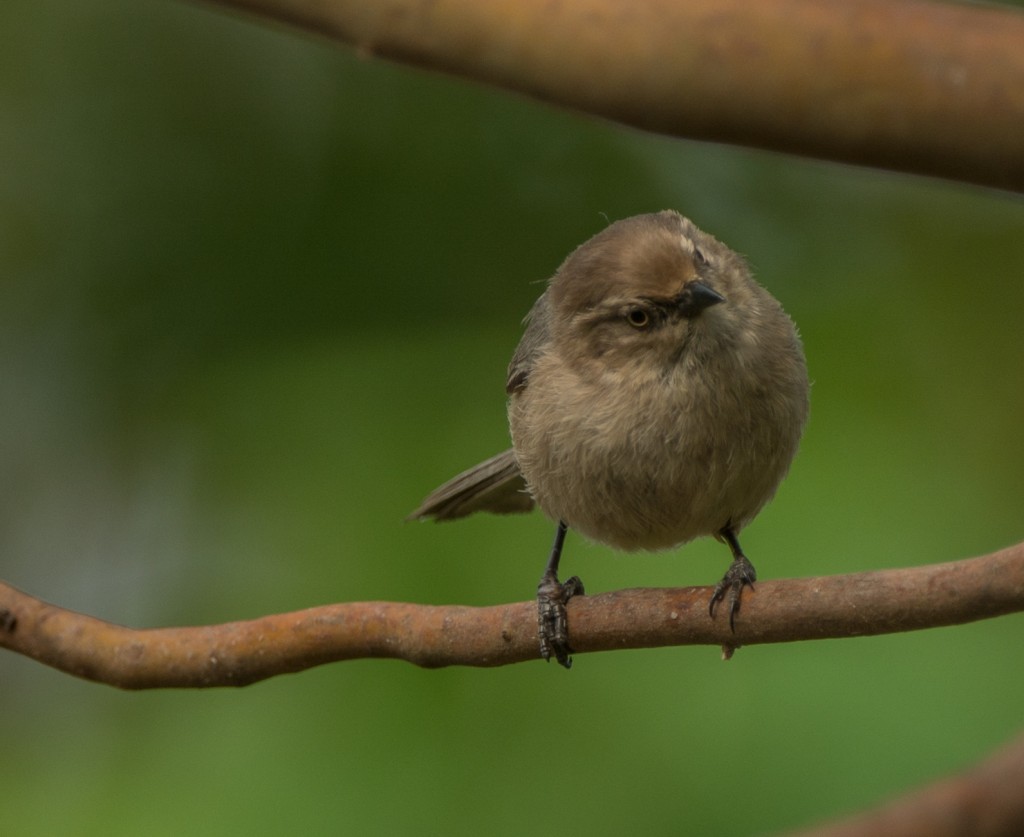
x: 495, y: 485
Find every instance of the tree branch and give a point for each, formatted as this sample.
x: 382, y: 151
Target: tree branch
x: 913, y: 85
x: 984, y: 801
x: 239, y: 653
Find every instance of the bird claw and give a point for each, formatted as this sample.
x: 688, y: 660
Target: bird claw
x: 740, y: 574
x: 552, y: 617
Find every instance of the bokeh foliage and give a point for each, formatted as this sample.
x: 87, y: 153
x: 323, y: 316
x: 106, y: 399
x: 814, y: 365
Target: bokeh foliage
x: 256, y: 298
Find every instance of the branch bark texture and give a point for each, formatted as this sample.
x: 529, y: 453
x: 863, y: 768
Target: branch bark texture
x: 239, y: 653
x: 932, y: 88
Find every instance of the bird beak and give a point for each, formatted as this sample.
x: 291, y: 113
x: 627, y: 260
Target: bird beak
x: 696, y: 297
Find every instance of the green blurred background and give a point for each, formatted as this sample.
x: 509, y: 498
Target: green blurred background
x: 257, y: 297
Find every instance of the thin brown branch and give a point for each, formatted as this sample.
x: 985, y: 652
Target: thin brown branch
x: 913, y: 85
x: 239, y: 653
x: 984, y: 801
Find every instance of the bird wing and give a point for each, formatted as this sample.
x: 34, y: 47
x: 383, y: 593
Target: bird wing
x: 535, y: 340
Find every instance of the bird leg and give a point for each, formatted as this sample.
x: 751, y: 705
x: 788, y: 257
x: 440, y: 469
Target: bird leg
x: 740, y: 574
x: 552, y: 595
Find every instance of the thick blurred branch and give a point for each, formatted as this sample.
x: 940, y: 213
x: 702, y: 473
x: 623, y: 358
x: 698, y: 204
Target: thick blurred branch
x: 926, y: 87
x: 984, y: 801
x: 239, y: 653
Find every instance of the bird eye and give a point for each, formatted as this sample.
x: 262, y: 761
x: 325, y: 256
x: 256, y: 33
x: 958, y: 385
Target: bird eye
x: 638, y: 318
x: 699, y: 257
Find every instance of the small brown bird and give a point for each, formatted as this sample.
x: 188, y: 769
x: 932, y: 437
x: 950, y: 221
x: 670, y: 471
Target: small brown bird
x: 658, y: 395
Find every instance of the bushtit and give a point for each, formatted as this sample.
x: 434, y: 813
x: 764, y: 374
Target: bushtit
x: 657, y: 395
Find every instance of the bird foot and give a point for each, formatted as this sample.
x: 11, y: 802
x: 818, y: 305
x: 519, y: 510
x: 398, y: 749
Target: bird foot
x: 552, y: 618
x: 740, y: 574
